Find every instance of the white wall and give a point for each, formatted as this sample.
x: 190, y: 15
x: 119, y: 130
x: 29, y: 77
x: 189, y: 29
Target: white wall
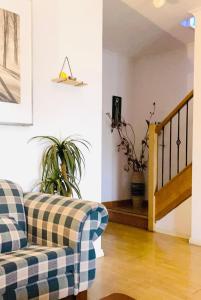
x: 117, y: 81
x: 196, y: 201
x: 166, y: 79
x: 61, y: 28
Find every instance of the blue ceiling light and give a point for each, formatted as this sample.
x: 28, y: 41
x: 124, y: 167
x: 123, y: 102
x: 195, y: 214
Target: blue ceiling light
x: 189, y: 23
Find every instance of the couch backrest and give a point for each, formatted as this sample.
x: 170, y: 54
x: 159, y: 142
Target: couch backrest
x: 11, y: 202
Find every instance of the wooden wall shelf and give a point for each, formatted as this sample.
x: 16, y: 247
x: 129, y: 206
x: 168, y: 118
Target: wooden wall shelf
x: 76, y: 83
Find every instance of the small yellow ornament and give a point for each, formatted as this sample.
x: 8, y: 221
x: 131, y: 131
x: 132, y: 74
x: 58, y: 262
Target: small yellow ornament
x: 63, y: 75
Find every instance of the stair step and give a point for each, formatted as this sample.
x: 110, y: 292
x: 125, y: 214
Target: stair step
x: 127, y: 215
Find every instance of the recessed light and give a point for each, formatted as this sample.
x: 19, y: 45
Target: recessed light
x: 159, y: 3
x: 189, y: 23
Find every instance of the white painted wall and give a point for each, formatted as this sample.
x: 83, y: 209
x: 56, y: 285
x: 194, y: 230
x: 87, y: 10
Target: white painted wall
x: 166, y: 79
x: 117, y: 81
x: 61, y: 28
x: 196, y: 201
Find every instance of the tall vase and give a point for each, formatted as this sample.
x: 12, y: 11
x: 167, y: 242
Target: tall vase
x: 138, y: 189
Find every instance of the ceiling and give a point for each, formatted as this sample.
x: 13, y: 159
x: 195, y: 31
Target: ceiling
x: 135, y: 27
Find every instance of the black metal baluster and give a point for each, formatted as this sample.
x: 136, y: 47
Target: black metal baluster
x: 178, y: 141
x: 170, y: 157
x: 186, y: 133
x: 179, y: 133
x: 163, y: 156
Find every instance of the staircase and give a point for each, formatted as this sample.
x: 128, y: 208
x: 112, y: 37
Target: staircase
x: 123, y: 212
x: 170, y: 167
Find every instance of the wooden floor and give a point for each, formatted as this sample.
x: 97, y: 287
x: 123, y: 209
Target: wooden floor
x: 147, y: 266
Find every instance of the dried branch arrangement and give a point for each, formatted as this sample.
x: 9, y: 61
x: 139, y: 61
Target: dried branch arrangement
x: 127, y: 143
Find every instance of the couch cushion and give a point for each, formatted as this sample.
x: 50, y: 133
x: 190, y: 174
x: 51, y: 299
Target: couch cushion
x: 29, y: 265
x: 58, y: 287
x: 11, y: 202
x: 12, y: 237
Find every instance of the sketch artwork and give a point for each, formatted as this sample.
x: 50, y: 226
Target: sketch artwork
x: 9, y: 57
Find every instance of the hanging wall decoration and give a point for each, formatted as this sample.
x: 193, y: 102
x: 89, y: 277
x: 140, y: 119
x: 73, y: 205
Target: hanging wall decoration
x: 66, y: 78
x: 15, y: 62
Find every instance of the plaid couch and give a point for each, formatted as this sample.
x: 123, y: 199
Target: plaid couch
x: 59, y: 259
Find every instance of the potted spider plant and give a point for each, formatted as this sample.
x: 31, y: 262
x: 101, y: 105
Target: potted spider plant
x: 62, y: 164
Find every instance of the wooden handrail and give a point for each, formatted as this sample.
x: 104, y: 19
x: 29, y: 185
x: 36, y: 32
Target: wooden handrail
x: 174, y: 112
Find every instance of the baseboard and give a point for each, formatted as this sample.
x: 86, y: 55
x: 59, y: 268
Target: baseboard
x: 194, y: 242
x: 183, y: 236
x: 99, y: 253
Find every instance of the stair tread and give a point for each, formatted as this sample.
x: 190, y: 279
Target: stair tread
x: 142, y: 213
x: 123, y: 212
x: 128, y: 218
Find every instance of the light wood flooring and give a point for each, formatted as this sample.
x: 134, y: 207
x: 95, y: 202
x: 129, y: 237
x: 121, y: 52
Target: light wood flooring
x: 147, y: 266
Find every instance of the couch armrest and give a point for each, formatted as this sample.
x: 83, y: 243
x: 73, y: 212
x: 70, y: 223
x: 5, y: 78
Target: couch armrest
x: 56, y: 220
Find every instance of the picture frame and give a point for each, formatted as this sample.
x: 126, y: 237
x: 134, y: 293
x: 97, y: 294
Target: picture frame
x: 16, y: 99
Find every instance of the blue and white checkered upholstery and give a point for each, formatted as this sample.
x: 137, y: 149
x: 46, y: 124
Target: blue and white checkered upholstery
x: 60, y: 258
x: 34, y: 264
x: 11, y: 202
x: 56, y: 220
x: 54, y: 288
x: 12, y: 237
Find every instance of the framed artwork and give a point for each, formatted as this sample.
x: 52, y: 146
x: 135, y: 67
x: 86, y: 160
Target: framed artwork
x: 15, y: 62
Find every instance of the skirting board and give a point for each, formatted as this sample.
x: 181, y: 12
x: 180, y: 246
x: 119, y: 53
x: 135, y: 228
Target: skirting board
x: 195, y: 242
x: 171, y: 233
x: 99, y: 253
x: 98, y: 248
